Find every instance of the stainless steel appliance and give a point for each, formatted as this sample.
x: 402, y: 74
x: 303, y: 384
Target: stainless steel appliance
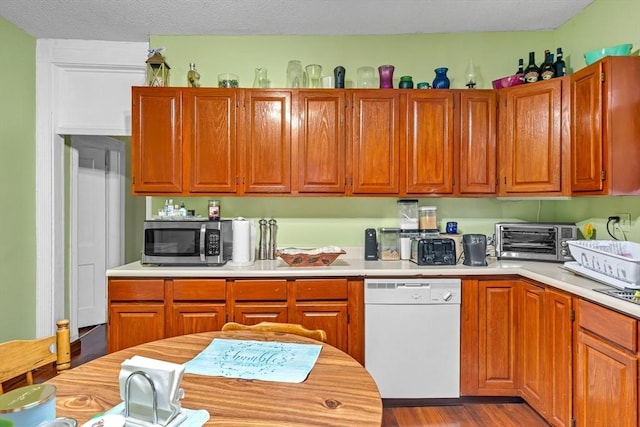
x: 433, y: 251
x: 412, y: 337
x: 187, y: 242
x: 539, y: 241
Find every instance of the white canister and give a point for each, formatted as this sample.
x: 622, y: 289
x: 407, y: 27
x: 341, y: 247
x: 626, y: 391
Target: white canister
x: 29, y: 405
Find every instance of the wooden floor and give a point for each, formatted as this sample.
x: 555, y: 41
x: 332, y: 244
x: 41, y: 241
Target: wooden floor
x: 94, y: 344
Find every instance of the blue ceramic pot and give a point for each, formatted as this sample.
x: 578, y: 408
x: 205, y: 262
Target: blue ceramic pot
x: 441, y: 81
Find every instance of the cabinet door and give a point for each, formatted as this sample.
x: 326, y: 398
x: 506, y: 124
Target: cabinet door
x: 586, y: 129
x: 156, y: 141
x: 191, y: 318
x: 531, y: 141
x: 209, y: 134
x: 497, y: 337
x: 266, y: 142
x: 558, y: 359
x: 375, y: 142
x: 252, y: 313
x: 606, y: 384
x: 328, y: 316
x: 428, y: 159
x: 532, y: 369
x: 477, y: 142
x: 134, y: 323
x: 320, y: 148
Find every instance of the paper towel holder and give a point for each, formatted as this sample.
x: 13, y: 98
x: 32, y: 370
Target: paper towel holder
x: 127, y: 395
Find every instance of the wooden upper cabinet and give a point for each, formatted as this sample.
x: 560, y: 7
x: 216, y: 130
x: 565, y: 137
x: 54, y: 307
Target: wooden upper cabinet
x: 534, y: 153
x: 477, y: 142
x: 156, y: 143
x: 266, y: 141
x: 605, y: 128
x: 209, y: 135
x: 319, y: 158
x: 428, y: 156
x: 375, y: 142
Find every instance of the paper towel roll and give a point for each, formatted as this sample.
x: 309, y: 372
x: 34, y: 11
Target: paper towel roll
x: 242, y: 253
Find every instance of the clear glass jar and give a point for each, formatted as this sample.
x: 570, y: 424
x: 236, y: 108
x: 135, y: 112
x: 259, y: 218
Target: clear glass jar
x: 427, y: 218
x: 388, y: 244
x: 408, y: 213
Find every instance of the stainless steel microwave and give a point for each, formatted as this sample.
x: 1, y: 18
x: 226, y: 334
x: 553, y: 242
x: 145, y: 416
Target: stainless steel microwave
x: 187, y: 242
x: 538, y: 241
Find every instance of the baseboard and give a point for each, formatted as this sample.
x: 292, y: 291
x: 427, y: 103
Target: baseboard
x: 398, y: 403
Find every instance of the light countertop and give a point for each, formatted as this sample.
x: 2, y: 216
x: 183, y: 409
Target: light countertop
x: 552, y: 274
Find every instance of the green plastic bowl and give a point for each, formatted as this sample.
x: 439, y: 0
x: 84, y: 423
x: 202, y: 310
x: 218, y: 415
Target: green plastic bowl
x: 619, y: 50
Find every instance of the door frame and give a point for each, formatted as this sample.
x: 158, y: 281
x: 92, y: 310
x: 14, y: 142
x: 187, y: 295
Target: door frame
x: 115, y: 194
x: 70, y: 75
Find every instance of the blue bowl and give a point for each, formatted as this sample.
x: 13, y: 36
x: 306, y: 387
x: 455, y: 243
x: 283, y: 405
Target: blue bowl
x: 618, y: 50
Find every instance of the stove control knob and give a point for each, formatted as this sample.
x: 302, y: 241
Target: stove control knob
x: 447, y: 296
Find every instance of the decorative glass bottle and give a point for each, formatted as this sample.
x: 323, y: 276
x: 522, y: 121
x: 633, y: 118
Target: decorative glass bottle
x: 193, y: 76
x: 338, y: 77
x: 386, y: 76
x: 441, y: 81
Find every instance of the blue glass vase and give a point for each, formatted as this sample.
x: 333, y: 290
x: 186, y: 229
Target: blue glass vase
x: 441, y: 81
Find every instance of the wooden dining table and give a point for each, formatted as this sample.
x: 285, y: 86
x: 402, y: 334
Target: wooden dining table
x: 337, y: 392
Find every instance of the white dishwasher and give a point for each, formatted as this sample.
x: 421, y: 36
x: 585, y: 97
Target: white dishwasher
x: 412, y: 337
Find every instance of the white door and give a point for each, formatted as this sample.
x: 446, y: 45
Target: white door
x: 91, y: 229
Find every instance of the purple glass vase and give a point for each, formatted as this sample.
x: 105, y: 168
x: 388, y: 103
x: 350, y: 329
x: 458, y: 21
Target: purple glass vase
x: 386, y: 76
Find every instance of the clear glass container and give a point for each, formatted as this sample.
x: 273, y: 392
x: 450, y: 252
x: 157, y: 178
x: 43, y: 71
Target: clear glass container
x: 427, y: 218
x: 408, y: 213
x: 388, y: 244
x: 260, y: 79
x: 314, y: 73
x: 366, y: 77
x: 294, y: 74
x: 228, y: 80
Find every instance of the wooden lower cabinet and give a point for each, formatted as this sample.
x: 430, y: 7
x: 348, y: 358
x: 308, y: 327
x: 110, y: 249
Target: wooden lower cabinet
x: 531, y: 332
x: 143, y: 310
x: 557, y: 360
x: 497, y: 337
x: 516, y: 340
x: 606, y: 368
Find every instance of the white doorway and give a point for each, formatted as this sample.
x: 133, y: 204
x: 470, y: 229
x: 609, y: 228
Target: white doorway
x: 96, y: 242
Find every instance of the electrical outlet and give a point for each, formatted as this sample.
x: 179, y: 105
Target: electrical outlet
x: 625, y: 221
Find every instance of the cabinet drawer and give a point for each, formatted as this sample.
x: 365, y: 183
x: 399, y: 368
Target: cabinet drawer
x: 199, y: 289
x: 616, y: 327
x: 136, y: 290
x: 260, y: 290
x: 321, y: 289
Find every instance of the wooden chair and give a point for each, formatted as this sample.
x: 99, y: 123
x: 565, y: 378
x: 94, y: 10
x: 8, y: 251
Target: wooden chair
x: 22, y: 357
x: 288, y: 328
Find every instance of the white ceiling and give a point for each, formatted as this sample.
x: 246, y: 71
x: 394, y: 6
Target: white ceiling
x: 136, y: 20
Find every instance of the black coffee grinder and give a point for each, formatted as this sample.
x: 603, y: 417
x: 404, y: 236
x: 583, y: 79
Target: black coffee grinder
x: 474, y: 247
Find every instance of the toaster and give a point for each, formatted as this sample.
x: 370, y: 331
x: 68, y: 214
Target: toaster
x: 441, y: 251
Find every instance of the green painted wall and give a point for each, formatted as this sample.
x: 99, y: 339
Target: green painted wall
x: 340, y: 221
x: 17, y: 183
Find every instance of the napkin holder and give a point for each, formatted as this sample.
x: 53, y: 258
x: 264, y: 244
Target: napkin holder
x: 150, y: 390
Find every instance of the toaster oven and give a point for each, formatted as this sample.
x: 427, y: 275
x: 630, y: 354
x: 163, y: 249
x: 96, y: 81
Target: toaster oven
x: 539, y: 241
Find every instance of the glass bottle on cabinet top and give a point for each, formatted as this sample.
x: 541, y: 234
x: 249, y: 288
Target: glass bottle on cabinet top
x: 193, y: 76
x: 532, y: 72
x: 366, y: 77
